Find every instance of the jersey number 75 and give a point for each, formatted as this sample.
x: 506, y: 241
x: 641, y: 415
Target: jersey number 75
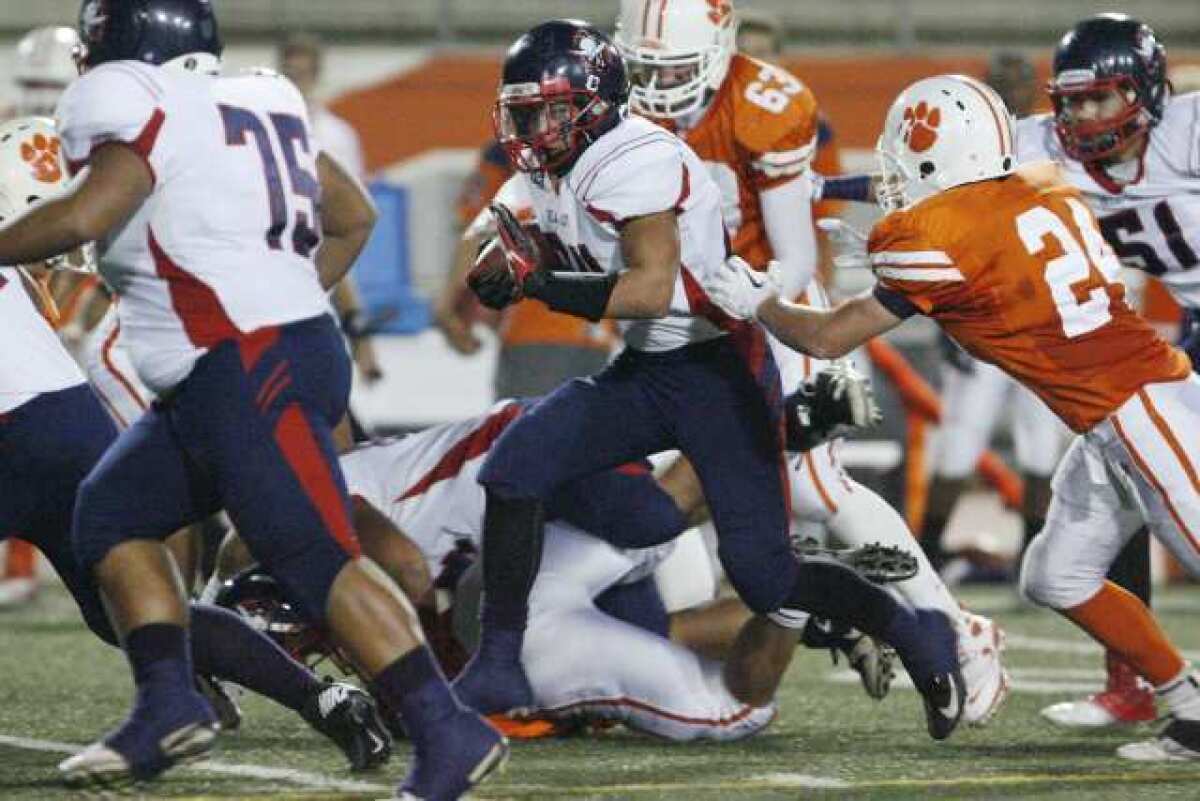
x: 291, y: 133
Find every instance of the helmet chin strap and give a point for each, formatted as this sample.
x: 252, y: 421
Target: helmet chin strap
x: 203, y: 63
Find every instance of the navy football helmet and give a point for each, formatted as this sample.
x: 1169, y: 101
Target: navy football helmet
x: 562, y: 87
x: 153, y: 31
x: 1101, y: 53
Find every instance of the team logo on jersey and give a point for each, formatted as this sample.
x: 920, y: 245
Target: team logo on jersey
x: 41, y: 154
x: 719, y: 11
x: 920, y: 126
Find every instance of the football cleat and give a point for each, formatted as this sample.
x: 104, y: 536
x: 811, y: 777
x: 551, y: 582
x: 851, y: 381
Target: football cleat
x: 348, y: 717
x: 229, y: 714
x: 451, y: 757
x: 102, y: 766
x: 872, y: 660
x: 1179, y: 741
x: 877, y: 563
x: 980, y: 642
x: 494, y: 681
x: 945, y: 699
x: 1125, y: 701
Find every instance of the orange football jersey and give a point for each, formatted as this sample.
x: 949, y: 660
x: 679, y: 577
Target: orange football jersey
x: 760, y: 131
x: 1016, y: 271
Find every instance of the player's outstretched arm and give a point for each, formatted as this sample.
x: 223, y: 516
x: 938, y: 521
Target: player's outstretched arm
x: 347, y: 217
x: 827, y: 333
x: 117, y: 184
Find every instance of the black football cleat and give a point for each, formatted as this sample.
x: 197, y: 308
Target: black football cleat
x: 349, y: 717
x: 945, y: 697
x: 881, y: 564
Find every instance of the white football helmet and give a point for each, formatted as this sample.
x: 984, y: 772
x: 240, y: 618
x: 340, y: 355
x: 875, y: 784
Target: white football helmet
x: 942, y: 132
x: 676, y: 52
x: 44, y: 65
x: 31, y: 170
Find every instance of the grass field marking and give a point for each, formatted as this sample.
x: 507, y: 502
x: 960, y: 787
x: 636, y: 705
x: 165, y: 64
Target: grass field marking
x: 313, y: 781
x: 1020, y: 642
x: 785, y: 781
x: 1020, y: 684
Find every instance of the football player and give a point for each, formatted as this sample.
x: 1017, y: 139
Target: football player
x: 975, y: 395
x: 1011, y: 263
x: 43, y: 68
x: 222, y: 228
x: 597, y: 644
x: 1129, y: 145
x: 635, y: 221
x: 52, y: 433
x: 755, y: 126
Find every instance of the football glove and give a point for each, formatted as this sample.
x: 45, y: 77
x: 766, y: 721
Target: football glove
x: 498, y: 283
x: 849, y: 243
x: 836, y: 401
x: 739, y: 289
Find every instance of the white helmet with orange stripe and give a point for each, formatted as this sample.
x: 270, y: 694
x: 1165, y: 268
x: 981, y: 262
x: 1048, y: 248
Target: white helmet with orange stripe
x: 676, y: 52
x: 940, y: 133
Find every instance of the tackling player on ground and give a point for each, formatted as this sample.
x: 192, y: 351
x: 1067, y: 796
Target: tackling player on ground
x: 1011, y: 263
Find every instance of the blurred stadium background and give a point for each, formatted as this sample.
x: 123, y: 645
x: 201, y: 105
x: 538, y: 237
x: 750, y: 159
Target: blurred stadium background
x: 415, y: 79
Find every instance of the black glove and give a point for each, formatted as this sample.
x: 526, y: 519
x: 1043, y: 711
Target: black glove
x: 834, y: 402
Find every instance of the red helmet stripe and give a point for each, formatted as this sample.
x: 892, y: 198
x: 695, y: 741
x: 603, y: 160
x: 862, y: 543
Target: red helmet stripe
x: 645, y: 19
x: 662, y: 13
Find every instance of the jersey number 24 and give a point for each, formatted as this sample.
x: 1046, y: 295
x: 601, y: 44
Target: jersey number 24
x: 291, y: 134
x: 1085, y: 258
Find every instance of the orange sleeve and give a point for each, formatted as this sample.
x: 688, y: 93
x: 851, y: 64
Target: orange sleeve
x: 776, y: 122
x: 827, y: 161
x: 912, y: 264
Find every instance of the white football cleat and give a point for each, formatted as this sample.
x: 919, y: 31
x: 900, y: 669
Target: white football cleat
x: 101, y: 766
x: 980, y: 642
x: 1178, y: 742
x: 17, y: 591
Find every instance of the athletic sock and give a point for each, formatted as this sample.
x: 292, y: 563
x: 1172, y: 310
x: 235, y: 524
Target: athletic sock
x: 1125, y: 625
x: 413, y: 687
x: 1182, y: 695
x: 512, y: 552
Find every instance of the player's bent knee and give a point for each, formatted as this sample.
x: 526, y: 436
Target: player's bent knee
x: 1044, y: 582
x: 93, y: 535
x: 307, y: 575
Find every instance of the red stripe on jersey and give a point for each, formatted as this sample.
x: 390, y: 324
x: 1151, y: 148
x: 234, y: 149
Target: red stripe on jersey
x: 295, y: 439
x: 642, y: 706
x: 142, y: 145
x: 472, y: 445
x: 700, y: 303
x: 199, y: 309
x: 684, y: 191
x: 604, y: 216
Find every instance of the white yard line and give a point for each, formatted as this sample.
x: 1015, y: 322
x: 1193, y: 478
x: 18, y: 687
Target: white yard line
x: 1018, y: 642
x: 313, y: 781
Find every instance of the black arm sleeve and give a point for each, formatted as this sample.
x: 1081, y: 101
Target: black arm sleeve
x: 896, y: 303
x: 581, y: 294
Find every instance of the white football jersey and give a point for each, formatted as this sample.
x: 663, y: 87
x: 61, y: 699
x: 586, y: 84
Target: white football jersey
x: 636, y: 169
x: 225, y: 242
x: 1153, y: 224
x: 427, y: 484
x: 32, y: 359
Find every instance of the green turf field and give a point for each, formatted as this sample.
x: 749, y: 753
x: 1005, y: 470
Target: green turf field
x: 60, y: 687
